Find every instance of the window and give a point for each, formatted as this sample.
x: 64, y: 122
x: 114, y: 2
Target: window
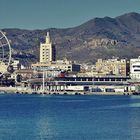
x: 137, y: 70
x: 136, y: 66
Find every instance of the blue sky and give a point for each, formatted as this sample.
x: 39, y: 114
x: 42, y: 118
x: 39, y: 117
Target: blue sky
x: 43, y: 14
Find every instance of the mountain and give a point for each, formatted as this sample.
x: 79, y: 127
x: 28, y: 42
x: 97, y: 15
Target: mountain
x: 97, y: 38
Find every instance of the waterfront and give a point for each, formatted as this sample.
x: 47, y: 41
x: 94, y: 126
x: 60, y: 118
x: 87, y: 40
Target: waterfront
x: 65, y: 117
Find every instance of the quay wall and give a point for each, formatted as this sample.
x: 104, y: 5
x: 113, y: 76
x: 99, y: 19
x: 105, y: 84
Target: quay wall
x: 29, y: 91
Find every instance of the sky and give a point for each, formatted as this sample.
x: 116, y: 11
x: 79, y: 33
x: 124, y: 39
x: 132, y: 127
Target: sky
x: 43, y: 14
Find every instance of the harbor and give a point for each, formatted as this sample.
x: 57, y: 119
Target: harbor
x: 51, y: 76
x: 17, y: 90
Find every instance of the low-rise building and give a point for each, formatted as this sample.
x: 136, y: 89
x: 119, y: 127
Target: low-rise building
x: 113, y: 66
x: 135, y: 68
x: 16, y: 65
x: 63, y: 65
x: 3, y: 67
x: 23, y: 74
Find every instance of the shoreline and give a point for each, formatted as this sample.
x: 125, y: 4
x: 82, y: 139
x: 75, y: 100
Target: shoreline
x: 14, y: 90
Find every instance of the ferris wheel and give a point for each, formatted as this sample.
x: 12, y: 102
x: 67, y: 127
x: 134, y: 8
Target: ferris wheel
x: 5, y: 53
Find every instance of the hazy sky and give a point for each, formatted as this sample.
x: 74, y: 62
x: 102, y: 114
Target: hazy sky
x: 42, y: 14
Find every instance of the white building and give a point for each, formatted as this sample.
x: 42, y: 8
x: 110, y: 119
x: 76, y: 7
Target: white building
x: 16, y: 65
x: 135, y: 68
x: 47, y: 51
x: 3, y: 67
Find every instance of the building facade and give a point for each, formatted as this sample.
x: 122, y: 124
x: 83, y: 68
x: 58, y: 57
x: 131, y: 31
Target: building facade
x: 113, y: 66
x: 47, y: 51
x: 3, y: 67
x: 63, y: 65
x: 16, y: 65
x: 135, y: 68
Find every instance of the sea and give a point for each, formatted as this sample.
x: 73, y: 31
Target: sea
x: 69, y: 117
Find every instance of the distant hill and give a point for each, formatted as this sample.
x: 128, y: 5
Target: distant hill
x: 97, y: 38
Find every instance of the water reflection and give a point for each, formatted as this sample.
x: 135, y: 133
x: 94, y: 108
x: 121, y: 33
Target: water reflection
x: 134, y: 117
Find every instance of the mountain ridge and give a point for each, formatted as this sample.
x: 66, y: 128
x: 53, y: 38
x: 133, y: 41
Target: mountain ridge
x: 97, y: 38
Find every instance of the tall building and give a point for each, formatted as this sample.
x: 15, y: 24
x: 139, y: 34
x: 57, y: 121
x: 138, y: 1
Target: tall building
x: 47, y: 51
x: 48, y: 59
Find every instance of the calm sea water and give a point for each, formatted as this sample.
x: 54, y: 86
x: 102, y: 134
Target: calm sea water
x: 36, y: 117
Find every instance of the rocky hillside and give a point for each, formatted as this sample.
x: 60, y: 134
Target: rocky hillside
x: 97, y: 38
